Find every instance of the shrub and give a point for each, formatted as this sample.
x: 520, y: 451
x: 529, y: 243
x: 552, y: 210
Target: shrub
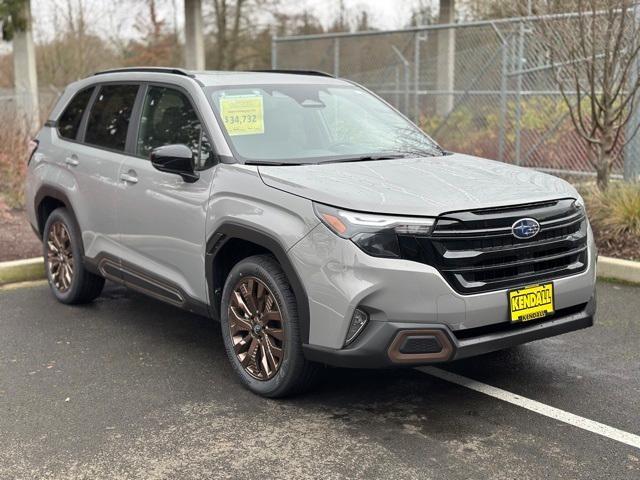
x: 617, y: 209
x: 13, y: 159
x: 548, y: 138
x: 615, y: 218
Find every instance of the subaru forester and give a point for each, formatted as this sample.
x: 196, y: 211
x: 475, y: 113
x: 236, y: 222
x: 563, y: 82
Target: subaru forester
x: 307, y: 215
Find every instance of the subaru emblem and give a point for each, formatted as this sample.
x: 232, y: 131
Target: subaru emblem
x: 525, y: 228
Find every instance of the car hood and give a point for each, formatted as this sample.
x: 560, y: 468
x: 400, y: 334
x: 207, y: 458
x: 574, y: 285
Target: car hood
x: 417, y: 186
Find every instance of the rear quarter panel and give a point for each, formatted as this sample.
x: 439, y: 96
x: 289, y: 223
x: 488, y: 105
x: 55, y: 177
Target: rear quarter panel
x: 44, y: 171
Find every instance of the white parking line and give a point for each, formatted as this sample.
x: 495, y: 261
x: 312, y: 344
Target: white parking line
x: 551, y: 412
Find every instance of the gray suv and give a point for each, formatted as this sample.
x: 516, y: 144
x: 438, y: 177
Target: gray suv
x: 308, y: 216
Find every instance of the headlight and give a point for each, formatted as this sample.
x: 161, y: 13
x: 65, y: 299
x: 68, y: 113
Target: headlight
x: 376, y: 235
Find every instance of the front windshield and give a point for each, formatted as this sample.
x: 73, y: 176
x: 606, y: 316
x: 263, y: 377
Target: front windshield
x: 293, y: 124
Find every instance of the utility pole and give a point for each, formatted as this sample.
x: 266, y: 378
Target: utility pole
x: 632, y: 149
x: 25, y: 76
x: 446, y: 58
x: 193, y: 34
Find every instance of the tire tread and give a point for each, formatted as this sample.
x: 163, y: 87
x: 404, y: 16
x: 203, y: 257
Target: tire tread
x: 305, y: 373
x: 90, y: 285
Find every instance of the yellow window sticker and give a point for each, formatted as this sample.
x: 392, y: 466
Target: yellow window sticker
x: 242, y: 114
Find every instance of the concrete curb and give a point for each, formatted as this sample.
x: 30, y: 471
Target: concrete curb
x: 616, y: 269
x: 33, y: 269
x: 22, y: 270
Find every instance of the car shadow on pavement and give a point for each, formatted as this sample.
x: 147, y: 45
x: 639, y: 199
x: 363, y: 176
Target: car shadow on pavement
x: 202, y: 337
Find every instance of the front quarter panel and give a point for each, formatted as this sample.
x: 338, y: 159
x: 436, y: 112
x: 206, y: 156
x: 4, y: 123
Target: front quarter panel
x: 239, y: 196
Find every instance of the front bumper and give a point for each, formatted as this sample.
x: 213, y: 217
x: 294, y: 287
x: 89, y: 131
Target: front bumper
x: 377, y: 347
x: 339, y: 277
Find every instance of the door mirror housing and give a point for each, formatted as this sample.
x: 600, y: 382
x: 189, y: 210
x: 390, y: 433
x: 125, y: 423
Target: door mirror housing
x: 176, y: 159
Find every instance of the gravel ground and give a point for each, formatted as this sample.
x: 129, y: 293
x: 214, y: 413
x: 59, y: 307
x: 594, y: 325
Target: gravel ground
x: 626, y: 245
x: 17, y: 239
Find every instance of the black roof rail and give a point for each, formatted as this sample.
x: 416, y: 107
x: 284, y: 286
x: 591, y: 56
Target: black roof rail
x: 174, y: 71
x: 316, y: 73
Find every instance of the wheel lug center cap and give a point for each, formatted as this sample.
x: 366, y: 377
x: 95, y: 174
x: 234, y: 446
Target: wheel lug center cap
x: 257, y: 329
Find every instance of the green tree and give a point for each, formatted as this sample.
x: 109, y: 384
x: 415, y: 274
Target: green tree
x: 12, y: 18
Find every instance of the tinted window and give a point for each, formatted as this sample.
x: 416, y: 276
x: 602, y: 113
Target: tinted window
x: 70, y: 119
x: 109, y: 117
x: 169, y: 118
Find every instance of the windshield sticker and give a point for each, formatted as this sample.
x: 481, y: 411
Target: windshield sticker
x: 242, y: 114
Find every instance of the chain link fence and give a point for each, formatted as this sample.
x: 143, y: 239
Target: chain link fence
x: 483, y: 88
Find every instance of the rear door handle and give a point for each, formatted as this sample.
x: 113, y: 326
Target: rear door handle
x: 72, y: 161
x: 127, y: 177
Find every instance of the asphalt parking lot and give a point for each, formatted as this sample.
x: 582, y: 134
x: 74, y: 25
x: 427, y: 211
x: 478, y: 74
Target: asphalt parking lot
x: 131, y: 388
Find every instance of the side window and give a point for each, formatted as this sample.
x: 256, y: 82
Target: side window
x: 69, y: 121
x: 169, y: 118
x: 109, y: 117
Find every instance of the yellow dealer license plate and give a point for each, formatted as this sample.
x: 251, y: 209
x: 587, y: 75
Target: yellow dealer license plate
x: 532, y: 302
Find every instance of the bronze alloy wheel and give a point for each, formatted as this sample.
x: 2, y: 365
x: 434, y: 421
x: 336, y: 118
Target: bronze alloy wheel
x: 256, y: 328
x: 60, y: 260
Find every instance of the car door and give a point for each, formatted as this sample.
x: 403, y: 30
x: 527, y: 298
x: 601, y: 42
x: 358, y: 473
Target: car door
x: 161, y: 218
x: 94, y: 160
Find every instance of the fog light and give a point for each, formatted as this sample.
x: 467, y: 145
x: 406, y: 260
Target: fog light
x: 358, y: 322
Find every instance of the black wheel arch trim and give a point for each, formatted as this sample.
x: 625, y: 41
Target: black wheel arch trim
x: 232, y: 230
x: 48, y: 191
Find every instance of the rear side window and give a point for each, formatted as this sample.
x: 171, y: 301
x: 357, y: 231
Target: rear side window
x: 109, y: 116
x: 69, y: 121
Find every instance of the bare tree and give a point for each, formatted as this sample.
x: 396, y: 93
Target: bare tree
x: 229, y: 18
x: 77, y: 49
x: 303, y: 23
x: 471, y: 10
x: 157, y: 45
x: 341, y: 21
x: 363, y: 23
x: 237, y: 25
x: 595, y: 59
x: 423, y: 13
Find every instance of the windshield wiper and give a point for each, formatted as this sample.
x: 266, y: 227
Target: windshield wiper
x: 270, y: 163
x: 367, y: 158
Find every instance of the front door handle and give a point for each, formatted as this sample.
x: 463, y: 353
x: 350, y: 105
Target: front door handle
x: 72, y: 161
x: 129, y: 178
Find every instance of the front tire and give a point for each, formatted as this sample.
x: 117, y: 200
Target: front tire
x: 70, y: 281
x: 261, y: 331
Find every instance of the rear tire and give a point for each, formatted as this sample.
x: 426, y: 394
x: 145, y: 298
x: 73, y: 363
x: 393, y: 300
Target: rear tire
x: 261, y: 329
x: 70, y: 281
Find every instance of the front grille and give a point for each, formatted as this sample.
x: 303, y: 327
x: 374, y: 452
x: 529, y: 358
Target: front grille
x: 476, y: 251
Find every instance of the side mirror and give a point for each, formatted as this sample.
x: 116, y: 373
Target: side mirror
x: 176, y: 159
